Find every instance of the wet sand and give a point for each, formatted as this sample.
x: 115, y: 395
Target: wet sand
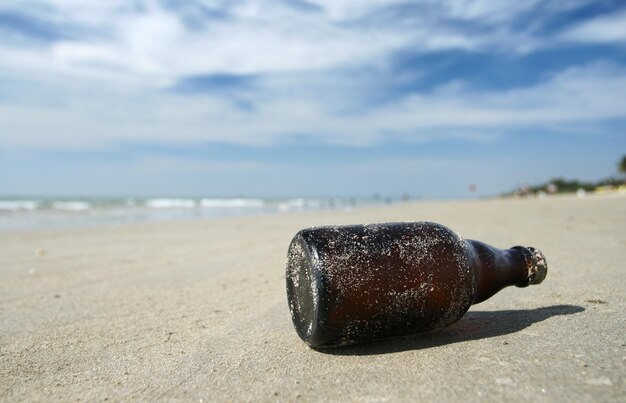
x: 197, y: 311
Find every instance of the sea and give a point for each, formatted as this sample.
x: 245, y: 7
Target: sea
x: 27, y: 213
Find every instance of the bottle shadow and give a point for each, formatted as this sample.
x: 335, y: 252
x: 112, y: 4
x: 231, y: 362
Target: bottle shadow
x: 473, y: 326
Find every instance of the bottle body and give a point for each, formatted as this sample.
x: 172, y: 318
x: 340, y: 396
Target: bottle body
x: 357, y: 283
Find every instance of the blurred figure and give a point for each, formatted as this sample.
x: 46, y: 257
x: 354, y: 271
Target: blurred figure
x: 522, y: 191
x: 552, y: 188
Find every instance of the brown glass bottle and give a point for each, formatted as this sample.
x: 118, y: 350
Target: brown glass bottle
x: 355, y: 283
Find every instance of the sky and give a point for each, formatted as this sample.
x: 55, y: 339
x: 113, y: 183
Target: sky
x: 308, y: 98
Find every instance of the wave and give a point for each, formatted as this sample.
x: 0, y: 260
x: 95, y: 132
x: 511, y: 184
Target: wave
x: 71, y: 205
x: 170, y: 203
x: 229, y: 203
x: 299, y: 204
x: 16, y: 205
x: 47, y: 212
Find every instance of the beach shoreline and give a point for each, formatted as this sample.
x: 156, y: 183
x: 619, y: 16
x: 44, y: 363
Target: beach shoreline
x: 194, y: 310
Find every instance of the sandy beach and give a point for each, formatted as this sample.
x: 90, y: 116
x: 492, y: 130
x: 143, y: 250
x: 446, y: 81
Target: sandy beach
x: 197, y: 311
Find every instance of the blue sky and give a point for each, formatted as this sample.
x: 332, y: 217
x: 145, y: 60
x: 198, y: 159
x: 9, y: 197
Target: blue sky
x: 308, y: 98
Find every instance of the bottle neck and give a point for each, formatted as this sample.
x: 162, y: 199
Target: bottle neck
x: 495, y: 269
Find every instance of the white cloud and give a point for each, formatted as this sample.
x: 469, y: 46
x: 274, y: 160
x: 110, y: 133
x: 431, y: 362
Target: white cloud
x: 147, y: 41
x: 77, y: 115
x: 155, y: 45
x: 108, y: 83
x: 487, y: 10
x: 603, y: 29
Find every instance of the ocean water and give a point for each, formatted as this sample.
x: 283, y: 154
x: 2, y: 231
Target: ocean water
x: 39, y: 213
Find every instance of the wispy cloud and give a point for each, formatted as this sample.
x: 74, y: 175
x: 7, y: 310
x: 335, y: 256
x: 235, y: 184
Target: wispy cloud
x: 90, y: 74
x: 68, y: 116
x: 157, y: 43
x: 603, y: 29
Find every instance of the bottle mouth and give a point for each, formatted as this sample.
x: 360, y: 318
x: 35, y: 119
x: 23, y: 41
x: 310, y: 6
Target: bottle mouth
x: 539, y: 270
x: 536, y: 264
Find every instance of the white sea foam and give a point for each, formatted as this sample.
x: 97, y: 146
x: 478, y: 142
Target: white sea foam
x: 71, y: 205
x: 170, y: 203
x: 298, y: 204
x: 46, y: 212
x: 237, y: 203
x: 15, y: 205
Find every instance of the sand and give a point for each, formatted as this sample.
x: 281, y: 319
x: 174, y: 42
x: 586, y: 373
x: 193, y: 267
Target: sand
x: 197, y: 311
